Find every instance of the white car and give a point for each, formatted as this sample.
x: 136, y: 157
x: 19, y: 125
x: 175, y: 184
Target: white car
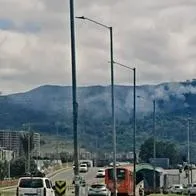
x: 98, y: 189
x: 34, y: 186
x: 83, y: 168
x: 177, y: 188
x: 117, y: 164
x: 100, y: 173
x: 191, y: 189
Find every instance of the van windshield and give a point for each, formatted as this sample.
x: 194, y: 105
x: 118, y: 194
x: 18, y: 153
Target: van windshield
x: 31, y: 183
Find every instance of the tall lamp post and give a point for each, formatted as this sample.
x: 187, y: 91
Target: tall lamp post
x: 134, y: 121
x: 154, y: 145
x: 188, y: 148
x: 112, y: 96
x: 74, y: 98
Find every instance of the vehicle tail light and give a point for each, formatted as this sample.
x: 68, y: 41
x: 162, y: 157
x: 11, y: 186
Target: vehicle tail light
x: 44, y: 191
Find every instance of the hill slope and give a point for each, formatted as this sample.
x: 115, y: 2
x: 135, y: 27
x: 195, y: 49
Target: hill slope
x: 47, y: 108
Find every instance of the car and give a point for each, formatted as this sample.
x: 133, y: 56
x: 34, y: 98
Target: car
x: 193, y: 166
x: 186, y: 188
x: 98, y: 189
x: 83, y: 168
x: 117, y: 164
x: 176, y: 188
x: 35, y: 186
x: 100, y: 173
x: 191, y: 189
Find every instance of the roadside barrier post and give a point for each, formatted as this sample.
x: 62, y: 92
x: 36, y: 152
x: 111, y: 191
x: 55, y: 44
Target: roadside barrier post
x: 60, y: 188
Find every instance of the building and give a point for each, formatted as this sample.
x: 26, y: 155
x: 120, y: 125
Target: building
x: 10, y: 140
x: 36, y: 141
x: 6, y: 155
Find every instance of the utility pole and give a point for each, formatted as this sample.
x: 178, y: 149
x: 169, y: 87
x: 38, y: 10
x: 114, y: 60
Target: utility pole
x: 29, y: 157
x: 113, y: 111
x: 74, y: 99
x: 154, y: 145
x: 188, y: 148
x: 9, y: 155
x: 57, y: 142
x: 134, y: 132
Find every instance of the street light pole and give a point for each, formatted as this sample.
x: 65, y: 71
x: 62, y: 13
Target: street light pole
x: 188, y: 148
x: 134, y: 124
x: 154, y: 145
x: 134, y: 131
x: 112, y: 97
x: 113, y: 111
x: 74, y: 98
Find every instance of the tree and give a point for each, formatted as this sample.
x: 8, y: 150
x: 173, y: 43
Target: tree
x: 164, y: 149
x: 17, y: 167
x: 3, y: 169
x: 146, y: 150
x: 26, y: 139
x: 27, y: 142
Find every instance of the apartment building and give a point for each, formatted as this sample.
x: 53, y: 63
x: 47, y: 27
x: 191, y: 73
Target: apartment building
x: 6, y: 155
x: 10, y: 140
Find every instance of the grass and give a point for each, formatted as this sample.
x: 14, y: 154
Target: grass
x: 165, y: 194
x: 54, y: 144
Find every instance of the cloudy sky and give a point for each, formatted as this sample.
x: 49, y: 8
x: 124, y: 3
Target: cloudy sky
x: 158, y: 37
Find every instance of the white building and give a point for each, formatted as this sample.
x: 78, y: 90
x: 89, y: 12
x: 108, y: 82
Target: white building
x: 10, y: 140
x: 6, y: 155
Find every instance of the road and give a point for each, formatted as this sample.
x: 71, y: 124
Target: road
x: 67, y: 175
x: 90, y: 177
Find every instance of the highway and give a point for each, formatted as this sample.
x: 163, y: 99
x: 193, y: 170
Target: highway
x: 67, y: 175
x: 90, y: 177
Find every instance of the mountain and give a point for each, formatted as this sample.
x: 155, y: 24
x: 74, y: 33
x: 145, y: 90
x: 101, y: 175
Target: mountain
x: 48, y: 108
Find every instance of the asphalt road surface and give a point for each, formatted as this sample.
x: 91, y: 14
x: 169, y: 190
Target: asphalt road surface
x: 90, y: 177
x: 68, y: 175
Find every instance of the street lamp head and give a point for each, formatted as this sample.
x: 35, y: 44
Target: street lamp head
x: 80, y: 17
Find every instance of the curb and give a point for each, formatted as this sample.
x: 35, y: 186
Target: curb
x: 7, y: 188
x: 47, y: 175
x: 56, y: 172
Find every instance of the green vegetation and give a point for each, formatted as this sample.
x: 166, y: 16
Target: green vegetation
x: 163, y: 150
x: 164, y: 194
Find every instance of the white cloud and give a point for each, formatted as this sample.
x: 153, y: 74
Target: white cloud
x: 158, y: 37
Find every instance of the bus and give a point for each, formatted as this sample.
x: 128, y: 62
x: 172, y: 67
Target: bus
x: 124, y: 176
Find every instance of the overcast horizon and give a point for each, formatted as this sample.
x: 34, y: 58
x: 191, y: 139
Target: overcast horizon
x: 157, y: 37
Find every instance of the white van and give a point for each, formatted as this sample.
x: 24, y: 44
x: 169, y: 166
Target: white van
x: 37, y: 186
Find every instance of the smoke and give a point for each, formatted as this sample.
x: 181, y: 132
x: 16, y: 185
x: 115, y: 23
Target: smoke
x: 171, y: 95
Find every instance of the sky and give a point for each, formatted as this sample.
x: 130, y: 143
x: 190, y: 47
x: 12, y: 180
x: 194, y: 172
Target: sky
x: 155, y: 36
